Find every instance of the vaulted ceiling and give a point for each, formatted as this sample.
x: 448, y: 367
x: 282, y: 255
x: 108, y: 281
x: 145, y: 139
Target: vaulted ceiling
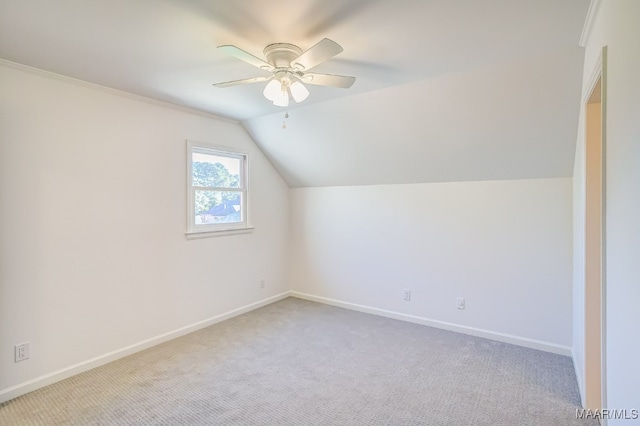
x: 446, y: 90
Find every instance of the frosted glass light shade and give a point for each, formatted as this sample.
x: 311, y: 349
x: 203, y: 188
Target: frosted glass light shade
x: 299, y: 92
x: 282, y: 100
x: 272, y: 90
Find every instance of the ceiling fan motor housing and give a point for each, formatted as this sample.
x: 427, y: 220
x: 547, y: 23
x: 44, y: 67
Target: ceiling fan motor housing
x: 280, y: 55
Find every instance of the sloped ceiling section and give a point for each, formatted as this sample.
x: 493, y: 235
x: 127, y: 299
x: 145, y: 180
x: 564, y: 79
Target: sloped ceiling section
x: 507, y: 121
x: 446, y: 89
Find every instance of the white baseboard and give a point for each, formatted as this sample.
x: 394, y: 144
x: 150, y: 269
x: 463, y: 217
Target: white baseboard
x: 473, y: 331
x: 47, y: 379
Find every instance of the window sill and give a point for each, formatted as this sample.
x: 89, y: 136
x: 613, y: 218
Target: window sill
x: 221, y: 233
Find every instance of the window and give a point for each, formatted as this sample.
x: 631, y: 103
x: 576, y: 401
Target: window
x: 217, y: 189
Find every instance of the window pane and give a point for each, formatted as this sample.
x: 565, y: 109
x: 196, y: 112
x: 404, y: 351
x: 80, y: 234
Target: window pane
x: 215, y: 170
x: 217, y: 207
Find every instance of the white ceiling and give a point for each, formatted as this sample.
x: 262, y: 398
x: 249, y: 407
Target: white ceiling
x: 446, y: 90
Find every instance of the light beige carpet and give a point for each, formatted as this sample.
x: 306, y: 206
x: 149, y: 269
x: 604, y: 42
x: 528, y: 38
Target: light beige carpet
x: 301, y: 363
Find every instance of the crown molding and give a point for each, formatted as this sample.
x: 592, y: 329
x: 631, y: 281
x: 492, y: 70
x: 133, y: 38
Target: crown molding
x: 110, y: 90
x: 594, y: 6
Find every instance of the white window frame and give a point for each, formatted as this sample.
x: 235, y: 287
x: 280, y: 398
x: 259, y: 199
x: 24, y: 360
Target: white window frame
x: 196, y: 231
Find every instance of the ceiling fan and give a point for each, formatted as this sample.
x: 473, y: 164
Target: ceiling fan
x: 289, y: 66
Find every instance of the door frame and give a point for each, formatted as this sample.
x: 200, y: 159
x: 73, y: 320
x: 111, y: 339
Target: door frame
x: 594, y: 104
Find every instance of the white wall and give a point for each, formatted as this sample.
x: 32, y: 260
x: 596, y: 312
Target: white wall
x: 615, y: 26
x: 503, y: 245
x: 93, y: 255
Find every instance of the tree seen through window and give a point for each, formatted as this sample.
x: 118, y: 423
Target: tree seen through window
x: 211, y: 204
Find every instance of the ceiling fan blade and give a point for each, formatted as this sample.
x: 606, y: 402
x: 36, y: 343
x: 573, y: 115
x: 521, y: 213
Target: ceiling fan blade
x: 324, y: 50
x: 245, y: 56
x: 328, y: 80
x: 243, y: 81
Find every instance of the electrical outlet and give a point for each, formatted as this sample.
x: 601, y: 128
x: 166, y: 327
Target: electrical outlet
x: 460, y: 303
x: 22, y: 351
x: 406, y: 294
x: 262, y: 283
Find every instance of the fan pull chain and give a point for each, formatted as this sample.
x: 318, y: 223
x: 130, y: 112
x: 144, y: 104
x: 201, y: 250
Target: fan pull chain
x: 284, y: 123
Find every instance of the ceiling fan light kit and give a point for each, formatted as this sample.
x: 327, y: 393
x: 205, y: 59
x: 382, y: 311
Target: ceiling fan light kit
x: 289, y: 65
x: 281, y: 88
